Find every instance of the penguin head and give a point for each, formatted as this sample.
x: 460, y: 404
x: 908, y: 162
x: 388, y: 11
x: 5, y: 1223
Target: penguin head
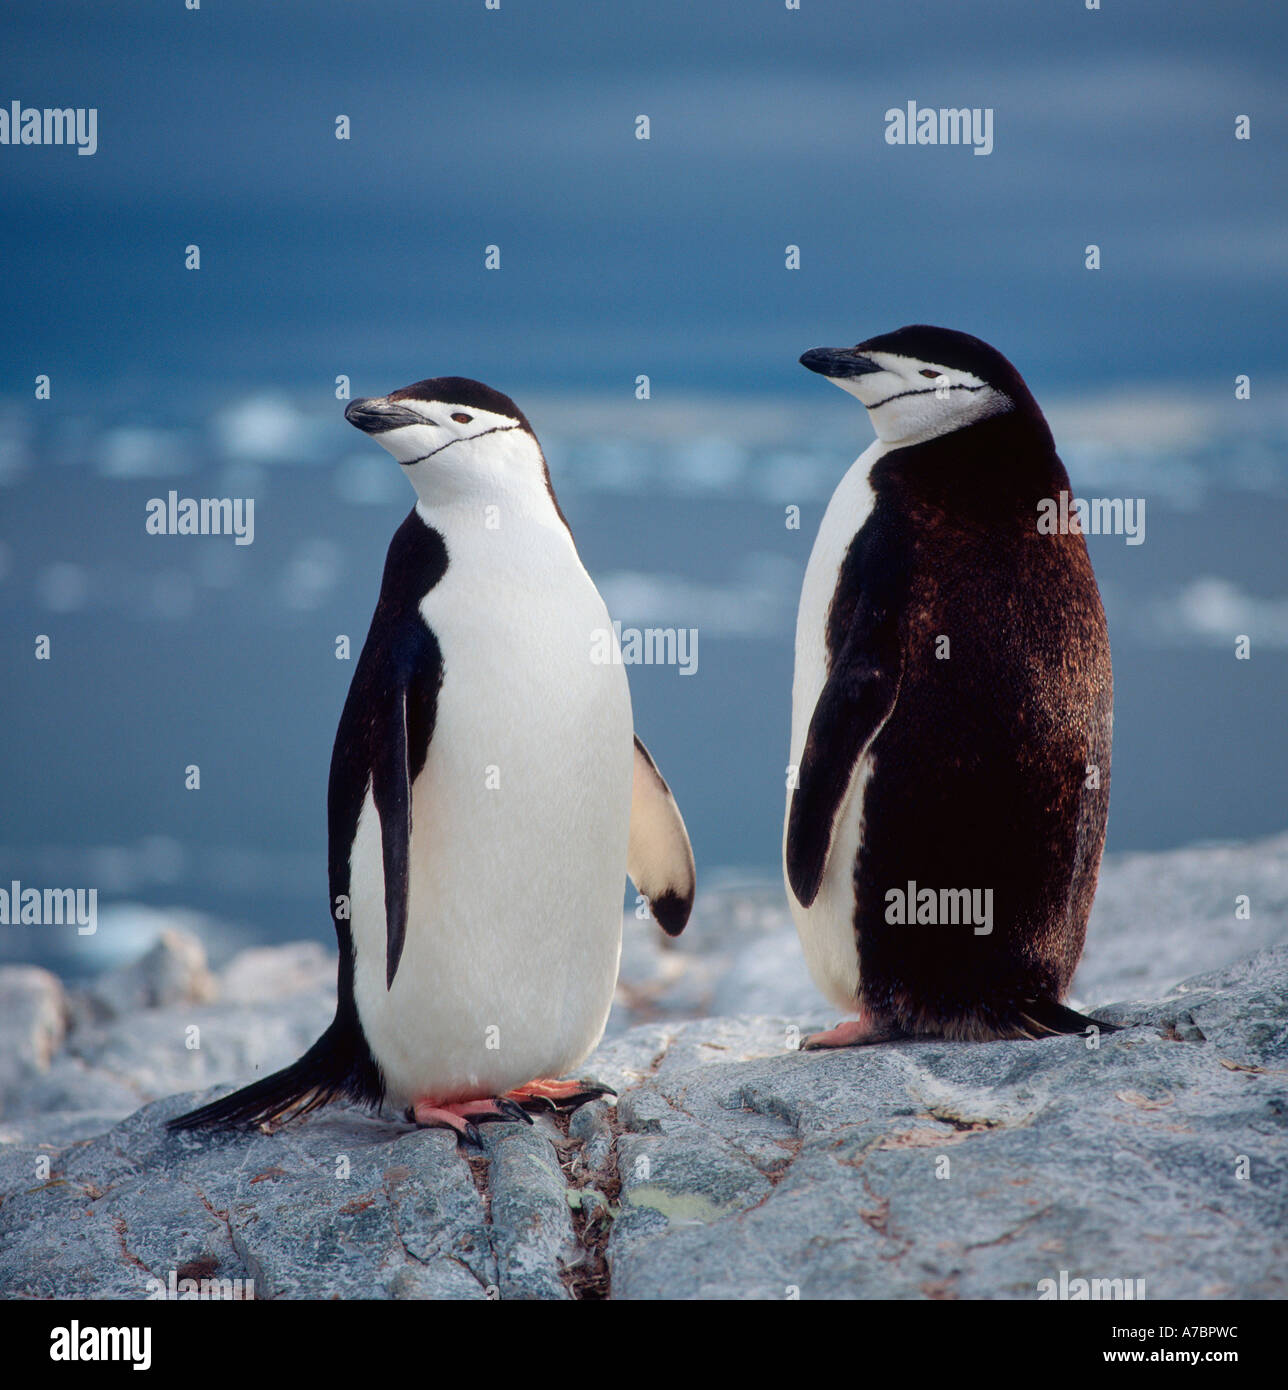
x: 455, y: 438
x: 920, y: 382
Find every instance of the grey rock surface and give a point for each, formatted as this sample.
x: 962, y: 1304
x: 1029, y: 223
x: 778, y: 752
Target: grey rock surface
x: 1160, y: 918
x: 33, y: 1023
x: 172, y: 971
x: 732, y: 1165
x: 266, y: 974
x: 936, y: 1170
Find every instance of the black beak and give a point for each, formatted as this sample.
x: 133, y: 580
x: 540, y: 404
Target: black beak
x: 375, y: 416
x: 840, y: 362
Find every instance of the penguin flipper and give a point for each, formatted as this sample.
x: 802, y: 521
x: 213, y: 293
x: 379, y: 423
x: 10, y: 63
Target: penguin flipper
x: 855, y: 702
x: 391, y: 791
x: 659, y: 857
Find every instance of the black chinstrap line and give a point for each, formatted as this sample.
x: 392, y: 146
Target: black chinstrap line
x: 496, y: 429
x: 926, y: 391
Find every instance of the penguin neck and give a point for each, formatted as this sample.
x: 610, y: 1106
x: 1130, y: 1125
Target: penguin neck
x: 1004, y: 457
x: 508, y: 490
x: 502, y: 526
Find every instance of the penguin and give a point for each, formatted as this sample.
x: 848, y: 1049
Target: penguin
x: 487, y: 797
x: 952, y: 710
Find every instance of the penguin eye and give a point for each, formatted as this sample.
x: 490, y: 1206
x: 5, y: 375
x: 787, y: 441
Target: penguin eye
x: 461, y: 418
x: 931, y: 373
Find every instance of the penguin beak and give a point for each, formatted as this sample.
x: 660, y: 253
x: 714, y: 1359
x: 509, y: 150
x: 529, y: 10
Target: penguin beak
x: 375, y: 415
x: 838, y: 362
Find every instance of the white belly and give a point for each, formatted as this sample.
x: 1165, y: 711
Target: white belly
x: 520, y: 822
x: 826, y: 927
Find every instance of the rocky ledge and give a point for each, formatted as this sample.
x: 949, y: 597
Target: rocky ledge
x: 731, y: 1166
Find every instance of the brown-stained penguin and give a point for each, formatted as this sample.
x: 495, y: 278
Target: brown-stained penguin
x: 952, y: 710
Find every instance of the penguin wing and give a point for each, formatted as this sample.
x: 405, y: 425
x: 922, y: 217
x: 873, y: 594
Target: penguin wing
x: 382, y: 744
x: 855, y: 702
x: 371, y: 752
x: 659, y: 857
x: 391, y: 791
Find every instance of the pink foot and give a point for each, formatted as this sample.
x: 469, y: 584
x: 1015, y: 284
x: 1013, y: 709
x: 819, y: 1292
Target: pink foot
x: 859, y: 1032
x: 464, y: 1116
x: 547, y: 1094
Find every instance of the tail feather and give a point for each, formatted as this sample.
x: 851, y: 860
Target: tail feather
x: 1043, y: 1017
x: 332, y: 1069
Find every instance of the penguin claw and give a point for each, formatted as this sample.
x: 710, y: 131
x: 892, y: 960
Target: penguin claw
x: 559, y: 1096
x: 465, y: 1116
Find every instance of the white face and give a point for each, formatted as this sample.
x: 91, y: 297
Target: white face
x: 453, y: 452
x: 909, y: 400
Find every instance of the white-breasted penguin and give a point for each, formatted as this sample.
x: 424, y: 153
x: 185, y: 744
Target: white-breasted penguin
x: 952, y: 709
x: 487, y: 797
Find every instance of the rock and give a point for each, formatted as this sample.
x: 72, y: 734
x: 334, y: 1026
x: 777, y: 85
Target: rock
x: 345, y: 1205
x: 938, y: 1170
x: 732, y: 1166
x: 531, y: 1222
x: 315, y: 1212
x: 173, y: 971
x: 1160, y: 918
x: 113, y: 1062
x: 265, y: 974
x: 33, y: 1023
x: 118, y: 1065
x: 739, y: 955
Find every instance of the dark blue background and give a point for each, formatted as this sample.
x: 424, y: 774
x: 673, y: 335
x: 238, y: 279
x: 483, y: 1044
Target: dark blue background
x: 619, y: 257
